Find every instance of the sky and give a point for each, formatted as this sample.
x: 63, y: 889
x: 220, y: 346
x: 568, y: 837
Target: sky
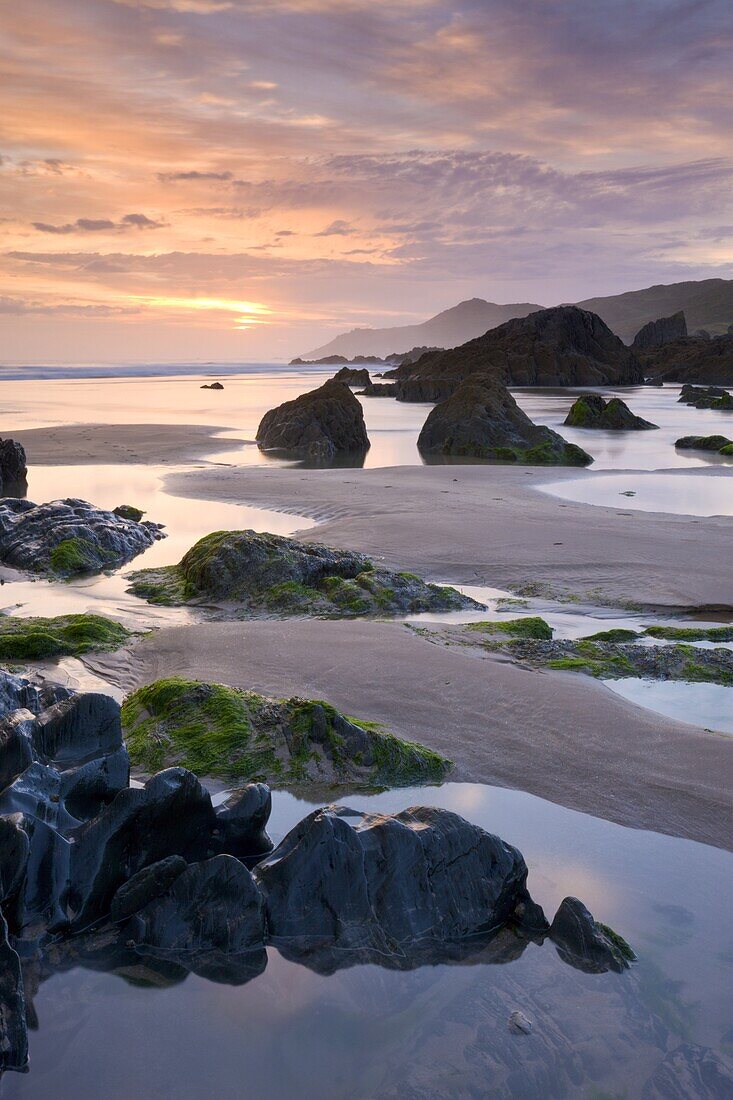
x: 240, y: 180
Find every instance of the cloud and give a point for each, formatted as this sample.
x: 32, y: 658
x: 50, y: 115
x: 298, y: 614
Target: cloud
x: 177, y: 177
x: 337, y: 228
x: 19, y: 307
x: 100, y: 225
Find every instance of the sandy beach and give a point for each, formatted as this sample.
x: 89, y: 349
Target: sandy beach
x: 99, y: 444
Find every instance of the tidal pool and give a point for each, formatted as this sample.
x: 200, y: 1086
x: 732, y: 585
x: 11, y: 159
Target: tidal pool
x: 678, y: 494
x: 440, y: 1030
x: 709, y: 706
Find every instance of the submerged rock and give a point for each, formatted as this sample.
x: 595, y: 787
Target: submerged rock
x: 239, y: 735
x: 68, y: 537
x: 354, y: 880
x: 13, y: 469
x: 320, y: 424
x: 659, y: 332
x: 482, y: 420
x: 584, y: 943
x: 272, y: 575
x: 690, y: 1072
x: 590, y: 410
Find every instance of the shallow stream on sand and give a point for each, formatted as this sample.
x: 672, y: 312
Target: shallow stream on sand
x: 441, y: 1030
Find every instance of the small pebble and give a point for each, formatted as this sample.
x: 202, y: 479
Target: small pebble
x: 518, y: 1022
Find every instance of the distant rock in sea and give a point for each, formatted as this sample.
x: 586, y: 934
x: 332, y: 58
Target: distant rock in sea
x: 590, y: 410
x: 212, y: 386
x: 319, y: 424
x: 378, y: 389
x: 481, y: 419
x: 352, y: 376
x: 564, y: 346
x: 663, y: 331
x: 69, y: 537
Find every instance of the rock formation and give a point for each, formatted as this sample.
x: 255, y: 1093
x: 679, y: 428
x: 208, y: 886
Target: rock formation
x: 564, y: 346
x: 482, y: 420
x: 719, y: 443
x: 379, y: 389
x: 706, y: 397
x: 663, y: 331
x: 590, y: 410
x: 273, y: 575
x: 241, y: 736
x: 586, y: 944
x: 212, y: 386
x: 67, y: 537
x: 693, y: 359
x: 319, y: 424
x: 352, y: 376
x: 13, y: 469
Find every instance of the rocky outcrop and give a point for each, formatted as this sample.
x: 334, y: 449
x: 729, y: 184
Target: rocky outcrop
x: 706, y: 397
x: 69, y: 537
x: 585, y: 944
x: 693, y: 359
x: 379, y: 389
x: 267, y: 574
x: 663, y: 331
x: 212, y: 386
x: 423, y: 874
x: 352, y: 376
x: 242, y: 736
x: 319, y: 424
x: 564, y: 346
x: 590, y: 410
x: 481, y: 419
x: 13, y: 469
x: 719, y: 444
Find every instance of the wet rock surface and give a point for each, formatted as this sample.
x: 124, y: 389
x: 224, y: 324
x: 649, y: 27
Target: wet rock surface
x: 590, y: 410
x: 272, y: 575
x: 242, y: 736
x: 320, y: 424
x: 585, y: 944
x: 69, y: 537
x: 563, y: 346
x: 481, y: 419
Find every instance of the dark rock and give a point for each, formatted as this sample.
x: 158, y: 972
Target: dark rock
x: 519, y: 1023
x: 352, y: 376
x: 16, y: 745
x: 13, y: 1031
x: 355, y: 880
x: 213, y: 386
x: 322, y: 423
x: 702, y: 334
x: 241, y: 822
x: 706, y: 397
x: 170, y: 815
x: 564, y: 346
x: 692, y: 359
x: 129, y: 511
x: 379, y: 389
x: 13, y: 469
x: 273, y: 575
x: 67, y: 537
x: 590, y: 410
x: 690, y: 1072
x: 482, y: 420
x: 86, y: 790
x: 703, y: 442
x: 37, y: 793
x: 78, y: 729
x: 39, y: 903
x: 662, y: 331
x: 584, y: 943
x: 211, y: 906
x: 14, y: 849
x: 146, y: 886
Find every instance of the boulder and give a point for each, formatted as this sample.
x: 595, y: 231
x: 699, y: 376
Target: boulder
x: 481, y: 419
x: 68, y: 537
x: 129, y: 511
x: 78, y: 729
x: 590, y: 410
x: 241, y: 822
x: 368, y: 881
x: 144, y: 887
x: 659, y: 332
x: 585, y: 944
x: 352, y: 376
x: 13, y: 1030
x: 703, y: 442
x: 171, y: 815
x: 706, y: 397
x: 273, y: 575
x: 563, y: 346
x: 13, y: 469
x: 320, y: 424
x: 210, y: 906
x: 87, y: 789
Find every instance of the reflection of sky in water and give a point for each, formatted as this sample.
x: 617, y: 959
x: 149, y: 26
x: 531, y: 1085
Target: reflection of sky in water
x: 293, y: 1032
x: 680, y: 494
x: 709, y: 706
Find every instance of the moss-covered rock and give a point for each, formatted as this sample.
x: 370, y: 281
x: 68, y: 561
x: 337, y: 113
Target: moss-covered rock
x: 590, y: 410
x: 129, y: 511
x: 532, y: 626
x: 617, y: 634
x: 703, y: 442
x: 238, y: 735
x: 691, y: 633
x: 38, y: 639
x: 271, y: 575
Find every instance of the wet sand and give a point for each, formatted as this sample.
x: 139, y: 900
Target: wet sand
x: 102, y: 444
x: 489, y: 525
x: 561, y: 736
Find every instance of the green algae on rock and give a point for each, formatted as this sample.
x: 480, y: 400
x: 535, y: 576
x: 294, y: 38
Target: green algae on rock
x: 590, y: 410
x: 718, y: 443
x: 273, y: 575
x: 239, y: 735
x: 691, y: 633
x: 532, y: 626
x: 36, y: 639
